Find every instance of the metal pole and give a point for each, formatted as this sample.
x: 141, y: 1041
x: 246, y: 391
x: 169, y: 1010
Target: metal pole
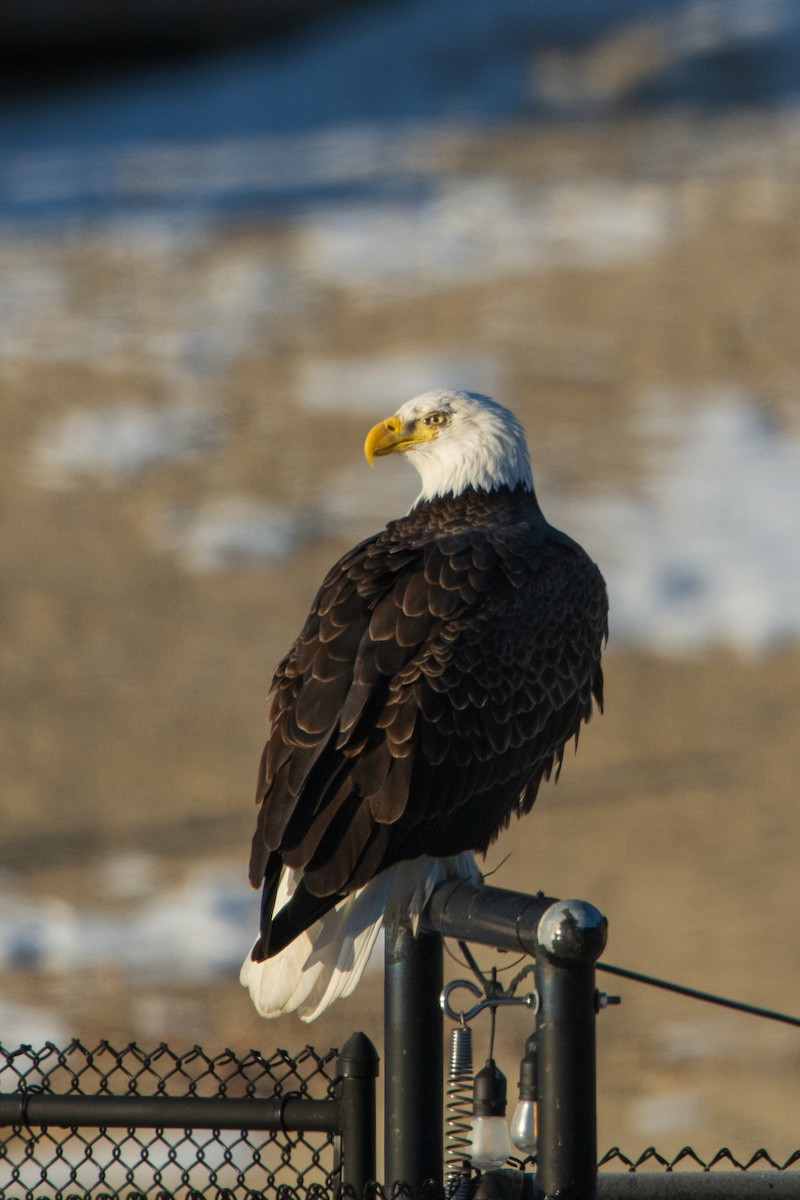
x: 358, y: 1069
x: 489, y: 915
x: 571, y: 937
x: 413, y: 1055
x: 699, y: 1185
x: 170, y: 1112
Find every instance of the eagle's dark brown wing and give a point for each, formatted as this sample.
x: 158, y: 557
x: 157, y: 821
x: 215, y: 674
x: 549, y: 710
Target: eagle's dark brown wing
x: 443, y: 666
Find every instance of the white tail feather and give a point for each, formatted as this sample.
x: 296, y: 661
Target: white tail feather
x: 328, y: 959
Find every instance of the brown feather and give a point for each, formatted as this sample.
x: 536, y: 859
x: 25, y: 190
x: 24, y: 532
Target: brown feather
x: 443, y: 667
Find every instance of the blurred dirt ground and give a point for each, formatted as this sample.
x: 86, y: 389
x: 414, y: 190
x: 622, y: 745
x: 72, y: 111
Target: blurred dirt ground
x: 133, y: 689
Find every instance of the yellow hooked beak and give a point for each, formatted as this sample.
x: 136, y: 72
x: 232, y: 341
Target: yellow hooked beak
x: 391, y: 435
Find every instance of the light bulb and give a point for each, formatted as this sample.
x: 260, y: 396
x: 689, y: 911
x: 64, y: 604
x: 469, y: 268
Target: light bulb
x: 490, y: 1142
x: 524, y: 1126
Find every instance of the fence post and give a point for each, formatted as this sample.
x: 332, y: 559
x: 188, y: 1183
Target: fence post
x: 413, y: 1058
x: 357, y: 1067
x: 570, y: 938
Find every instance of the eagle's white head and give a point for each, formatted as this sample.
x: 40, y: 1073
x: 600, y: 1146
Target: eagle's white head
x: 455, y: 440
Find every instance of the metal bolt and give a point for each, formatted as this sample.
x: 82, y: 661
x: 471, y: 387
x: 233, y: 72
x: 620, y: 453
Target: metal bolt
x: 602, y: 1000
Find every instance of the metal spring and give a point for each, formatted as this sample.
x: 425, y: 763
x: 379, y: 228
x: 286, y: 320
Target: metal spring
x: 459, y: 1109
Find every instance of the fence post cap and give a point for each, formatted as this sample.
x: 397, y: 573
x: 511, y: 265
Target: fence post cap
x: 572, y: 931
x: 358, y: 1058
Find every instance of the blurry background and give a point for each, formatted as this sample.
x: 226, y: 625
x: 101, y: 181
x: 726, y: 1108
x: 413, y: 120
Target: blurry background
x: 232, y: 237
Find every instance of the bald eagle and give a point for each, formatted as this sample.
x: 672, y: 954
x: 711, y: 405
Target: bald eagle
x: 443, y: 667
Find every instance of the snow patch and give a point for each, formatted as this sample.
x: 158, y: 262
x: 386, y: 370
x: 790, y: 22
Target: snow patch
x: 115, y: 443
x: 707, y: 553
x: 128, y: 875
x: 186, y: 316
x: 471, y: 230
x: 199, y: 929
x: 232, y: 533
x: 669, y: 1112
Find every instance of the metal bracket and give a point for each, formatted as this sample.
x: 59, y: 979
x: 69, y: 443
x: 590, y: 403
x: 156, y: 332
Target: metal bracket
x: 496, y: 997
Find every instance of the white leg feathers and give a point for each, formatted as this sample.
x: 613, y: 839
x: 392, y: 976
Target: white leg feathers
x: 328, y: 960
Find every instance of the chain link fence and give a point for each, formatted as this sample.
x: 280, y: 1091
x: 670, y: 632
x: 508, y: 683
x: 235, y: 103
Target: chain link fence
x: 141, y: 1162
x: 138, y: 1163
x: 687, y: 1158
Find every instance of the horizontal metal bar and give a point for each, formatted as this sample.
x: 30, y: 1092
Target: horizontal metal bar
x: 691, y: 1185
x: 489, y: 915
x: 291, y: 1113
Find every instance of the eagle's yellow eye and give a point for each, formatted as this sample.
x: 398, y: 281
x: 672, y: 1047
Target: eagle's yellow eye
x: 435, y: 418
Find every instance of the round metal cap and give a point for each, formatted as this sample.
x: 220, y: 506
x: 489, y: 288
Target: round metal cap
x: 573, y: 931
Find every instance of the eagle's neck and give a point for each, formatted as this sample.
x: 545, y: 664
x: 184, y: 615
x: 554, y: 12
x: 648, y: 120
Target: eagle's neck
x: 482, y: 459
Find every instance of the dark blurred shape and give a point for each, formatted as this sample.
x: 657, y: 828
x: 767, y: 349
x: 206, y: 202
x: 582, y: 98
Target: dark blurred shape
x: 81, y: 36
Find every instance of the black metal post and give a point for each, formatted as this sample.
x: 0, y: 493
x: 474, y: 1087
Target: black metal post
x: 571, y: 937
x: 413, y: 1059
x: 358, y: 1069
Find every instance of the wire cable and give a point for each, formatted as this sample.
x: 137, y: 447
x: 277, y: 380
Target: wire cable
x: 695, y: 994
